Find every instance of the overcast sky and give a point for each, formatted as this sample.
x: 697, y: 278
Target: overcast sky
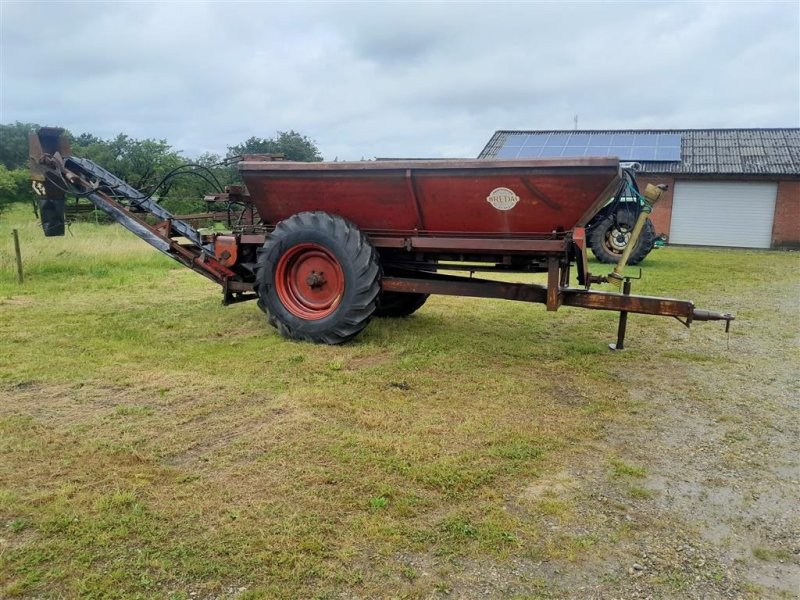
x: 406, y: 79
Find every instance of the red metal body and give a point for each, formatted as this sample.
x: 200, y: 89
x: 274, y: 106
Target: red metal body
x: 532, y: 199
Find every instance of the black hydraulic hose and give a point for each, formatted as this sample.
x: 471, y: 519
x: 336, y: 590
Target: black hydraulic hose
x: 176, y: 171
x: 631, y: 212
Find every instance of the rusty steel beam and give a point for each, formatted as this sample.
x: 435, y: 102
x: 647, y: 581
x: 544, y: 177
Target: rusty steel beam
x: 579, y: 298
x: 463, y: 286
x: 444, y: 244
x: 554, y: 295
x: 643, y: 305
x: 241, y: 286
x: 469, y: 244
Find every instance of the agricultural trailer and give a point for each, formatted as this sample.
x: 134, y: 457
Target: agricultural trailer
x: 324, y: 247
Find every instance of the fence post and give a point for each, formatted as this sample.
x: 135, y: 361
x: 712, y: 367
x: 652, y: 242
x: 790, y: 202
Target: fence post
x: 15, y: 233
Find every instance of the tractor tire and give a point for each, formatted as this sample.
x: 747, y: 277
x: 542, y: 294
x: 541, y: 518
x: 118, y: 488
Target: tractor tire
x: 399, y: 304
x: 609, y: 237
x: 318, y: 278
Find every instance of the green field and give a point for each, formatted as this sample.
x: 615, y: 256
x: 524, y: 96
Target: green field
x: 155, y: 444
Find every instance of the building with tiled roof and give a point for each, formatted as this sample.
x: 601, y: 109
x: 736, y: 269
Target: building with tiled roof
x: 728, y: 187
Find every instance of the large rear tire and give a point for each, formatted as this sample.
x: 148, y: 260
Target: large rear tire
x: 610, y: 236
x: 399, y: 304
x: 318, y: 278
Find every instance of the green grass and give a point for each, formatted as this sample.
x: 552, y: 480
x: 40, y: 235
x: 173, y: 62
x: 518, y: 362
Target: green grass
x: 154, y: 443
x: 620, y: 468
x: 639, y: 492
x: 769, y: 554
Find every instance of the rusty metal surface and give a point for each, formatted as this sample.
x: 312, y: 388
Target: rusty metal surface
x: 469, y: 244
x: 645, y: 305
x: 580, y: 298
x: 462, y: 286
x: 468, y: 198
x: 226, y: 250
x: 554, y: 293
x: 48, y: 141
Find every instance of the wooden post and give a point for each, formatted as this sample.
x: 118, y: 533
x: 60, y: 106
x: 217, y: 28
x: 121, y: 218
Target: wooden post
x: 15, y: 233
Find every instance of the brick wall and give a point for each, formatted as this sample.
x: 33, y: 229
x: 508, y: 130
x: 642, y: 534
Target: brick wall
x: 786, y: 226
x: 662, y: 212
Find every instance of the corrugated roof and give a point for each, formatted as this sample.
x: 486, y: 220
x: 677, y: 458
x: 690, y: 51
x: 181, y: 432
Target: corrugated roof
x: 705, y: 151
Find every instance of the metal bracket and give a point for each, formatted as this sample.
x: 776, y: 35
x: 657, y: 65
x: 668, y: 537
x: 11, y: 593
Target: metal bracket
x: 639, y: 276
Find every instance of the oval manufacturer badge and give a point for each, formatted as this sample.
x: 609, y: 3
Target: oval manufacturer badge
x: 502, y: 198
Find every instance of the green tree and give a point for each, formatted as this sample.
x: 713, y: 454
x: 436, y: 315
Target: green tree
x: 14, y: 144
x: 293, y: 146
x: 142, y: 163
x: 8, y: 187
x: 15, y: 186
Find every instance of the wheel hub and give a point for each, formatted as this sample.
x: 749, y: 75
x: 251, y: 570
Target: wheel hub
x: 618, y: 238
x: 315, y: 279
x: 309, y: 281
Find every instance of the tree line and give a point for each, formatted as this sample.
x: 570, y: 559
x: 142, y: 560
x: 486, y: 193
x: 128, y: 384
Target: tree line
x: 144, y: 163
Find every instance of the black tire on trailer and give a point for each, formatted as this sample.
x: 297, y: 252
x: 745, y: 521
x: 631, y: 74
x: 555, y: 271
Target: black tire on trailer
x: 399, y: 304
x: 318, y: 278
x: 609, y: 237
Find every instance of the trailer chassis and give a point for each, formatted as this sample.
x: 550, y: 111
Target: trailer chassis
x: 412, y: 262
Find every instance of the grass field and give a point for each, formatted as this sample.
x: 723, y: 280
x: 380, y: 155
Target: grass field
x: 155, y: 444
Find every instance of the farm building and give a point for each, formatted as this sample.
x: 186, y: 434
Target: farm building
x: 728, y: 187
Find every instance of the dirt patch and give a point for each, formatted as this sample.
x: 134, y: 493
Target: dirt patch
x: 720, y: 449
x: 209, y: 442
x: 368, y: 361
x: 61, y: 406
x: 730, y: 481
x: 18, y: 301
x: 557, y: 485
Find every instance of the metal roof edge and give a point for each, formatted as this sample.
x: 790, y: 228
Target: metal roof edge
x: 630, y: 130
x: 483, y: 153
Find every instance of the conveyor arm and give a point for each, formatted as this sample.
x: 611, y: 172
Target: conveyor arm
x: 56, y: 175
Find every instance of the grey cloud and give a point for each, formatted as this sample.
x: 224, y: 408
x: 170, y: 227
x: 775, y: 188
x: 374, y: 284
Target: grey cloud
x: 411, y: 79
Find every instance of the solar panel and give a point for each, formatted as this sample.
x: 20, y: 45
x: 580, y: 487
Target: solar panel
x: 623, y: 139
x: 579, y: 139
x: 625, y: 146
x: 551, y: 151
x: 508, y: 152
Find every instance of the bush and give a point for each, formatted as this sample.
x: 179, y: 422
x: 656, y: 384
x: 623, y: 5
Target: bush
x: 15, y: 186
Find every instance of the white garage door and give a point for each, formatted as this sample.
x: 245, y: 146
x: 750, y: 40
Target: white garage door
x: 711, y: 213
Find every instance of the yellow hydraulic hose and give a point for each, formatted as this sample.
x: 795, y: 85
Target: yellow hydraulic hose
x: 651, y: 195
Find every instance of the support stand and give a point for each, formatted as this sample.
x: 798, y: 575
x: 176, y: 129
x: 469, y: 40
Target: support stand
x: 623, y: 319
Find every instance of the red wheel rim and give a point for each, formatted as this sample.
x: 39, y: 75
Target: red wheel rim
x: 309, y: 281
